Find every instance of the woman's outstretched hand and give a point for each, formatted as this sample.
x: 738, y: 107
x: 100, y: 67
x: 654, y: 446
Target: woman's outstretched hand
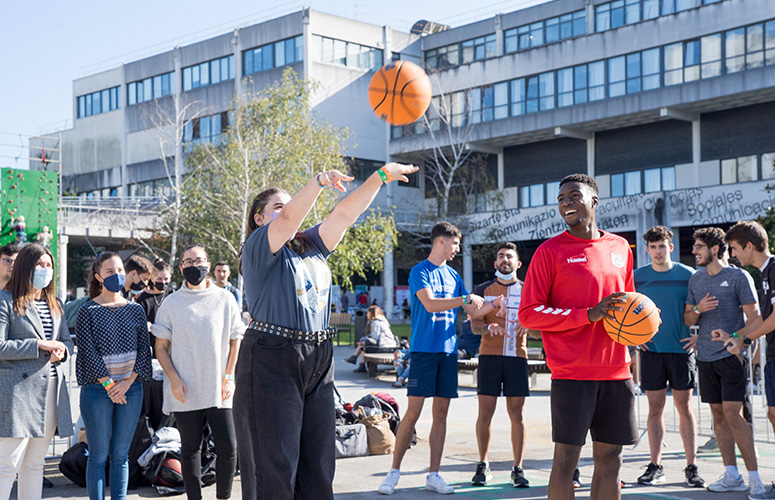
x: 399, y: 171
x: 334, y: 178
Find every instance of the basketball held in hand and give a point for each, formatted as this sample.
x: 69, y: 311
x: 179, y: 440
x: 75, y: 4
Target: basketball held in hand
x: 637, y: 323
x: 400, y: 93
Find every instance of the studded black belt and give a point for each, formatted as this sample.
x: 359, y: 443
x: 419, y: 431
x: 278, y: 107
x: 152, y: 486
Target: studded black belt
x: 317, y: 337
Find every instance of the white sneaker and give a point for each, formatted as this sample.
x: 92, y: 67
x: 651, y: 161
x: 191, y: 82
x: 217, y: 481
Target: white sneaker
x: 434, y: 482
x: 756, y: 487
x: 390, y: 482
x: 727, y: 483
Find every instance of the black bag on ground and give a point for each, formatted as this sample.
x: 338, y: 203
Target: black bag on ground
x: 73, y: 464
x: 165, y: 479
x: 141, y: 441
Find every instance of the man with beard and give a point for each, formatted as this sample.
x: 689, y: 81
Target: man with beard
x: 574, y: 281
x: 718, y: 297
x: 502, y: 362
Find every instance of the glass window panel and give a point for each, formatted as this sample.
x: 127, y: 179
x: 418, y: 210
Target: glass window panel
x: 565, y: 87
x: 475, y: 103
x: 632, y: 183
x: 517, y: 97
x: 299, y: 47
x: 228, y: 61
x: 132, y: 91
x: 668, y: 179
x: 596, y: 71
x: 316, y: 46
x: 603, y: 18
x: 668, y: 7
x: 754, y: 37
x: 735, y: 48
x: 328, y: 50
x: 580, y: 84
x: 82, y: 106
x: 552, y: 30
x: 353, y: 55
x: 279, y: 54
x: 746, y: 169
x: 156, y: 87
x: 187, y: 84
x: 536, y: 195
x: 768, y: 165
x: 290, y: 51
x: 729, y: 171
x: 524, y: 197
x: 267, y: 59
x: 215, y: 72
x: 173, y: 89
x: 140, y: 92
x: 552, y: 191
x: 204, y: 74
x: 650, y: 9
x: 633, y: 73
x: 258, y: 60
x: 617, y: 13
x: 692, y: 53
x: 632, y: 12
x: 616, y: 76
x: 215, y: 125
x: 165, y: 84
x: 617, y: 185
x: 204, y: 127
x: 501, y: 100
x: 195, y: 76
x: 683, y: 5
x: 536, y: 34
x: 114, y: 98
x: 651, y: 180
x: 187, y: 132
x: 96, y: 103
x: 547, y: 90
x: 147, y: 89
x: 105, y: 98
x: 510, y: 41
x: 650, y: 62
x: 755, y: 60
x: 531, y: 104
x: 769, y: 35
x: 340, y: 52
x: 468, y: 52
x: 673, y: 64
x: 579, y: 23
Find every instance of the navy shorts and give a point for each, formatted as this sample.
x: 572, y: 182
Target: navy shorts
x: 506, y: 375
x: 659, y: 368
x: 606, y: 408
x: 722, y: 380
x: 769, y: 382
x: 432, y: 374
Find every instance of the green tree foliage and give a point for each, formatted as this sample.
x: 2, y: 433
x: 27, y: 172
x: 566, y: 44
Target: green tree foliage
x: 272, y: 140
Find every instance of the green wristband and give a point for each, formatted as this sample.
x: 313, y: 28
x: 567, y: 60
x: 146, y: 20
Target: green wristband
x: 734, y: 335
x: 383, y: 176
x: 107, y: 382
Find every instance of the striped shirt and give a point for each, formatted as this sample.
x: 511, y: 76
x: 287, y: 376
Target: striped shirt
x: 48, y: 325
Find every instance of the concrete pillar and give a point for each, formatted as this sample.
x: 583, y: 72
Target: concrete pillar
x: 63, y: 240
x: 236, y: 48
x: 468, y: 266
x: 499, y: 45
x: 306, y: 62
x: 696, y: 150
x: 591, y: 156
x: 501, y: 171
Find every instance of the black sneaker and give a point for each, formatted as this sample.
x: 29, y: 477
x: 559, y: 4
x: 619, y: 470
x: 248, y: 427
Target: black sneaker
x: 361, y: 369
x: 47, y: 483
x: 576, y: 479
x: 483, y: 474
x: 518, y: 479
x: 693, y: 478
x: 352, y: 359
x: 654, y: 474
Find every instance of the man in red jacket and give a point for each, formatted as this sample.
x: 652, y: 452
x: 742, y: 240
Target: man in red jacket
x: 575, y: 280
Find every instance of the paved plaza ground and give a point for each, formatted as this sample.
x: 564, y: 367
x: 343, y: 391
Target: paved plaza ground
x: 358, y: 478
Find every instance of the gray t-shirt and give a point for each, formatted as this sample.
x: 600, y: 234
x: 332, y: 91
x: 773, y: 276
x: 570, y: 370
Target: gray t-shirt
x: 733, y: 288
x: 287, y: 289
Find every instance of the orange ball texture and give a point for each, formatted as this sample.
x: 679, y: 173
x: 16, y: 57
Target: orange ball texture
x: 400, y: 92
x: 637, y: 323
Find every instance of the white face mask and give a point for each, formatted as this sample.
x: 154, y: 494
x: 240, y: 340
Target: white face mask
x: 506, y: 277
x: 42, y: 277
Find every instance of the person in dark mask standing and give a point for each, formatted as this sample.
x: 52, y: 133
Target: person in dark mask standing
x: 113, y: 359
x: 158, y: 289
x: 138, y: 271
x: 198, y: 331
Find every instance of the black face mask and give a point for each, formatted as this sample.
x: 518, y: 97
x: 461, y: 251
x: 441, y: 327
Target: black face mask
x: 160, y: 286
x: 140, y: 285
x: 195, y: 274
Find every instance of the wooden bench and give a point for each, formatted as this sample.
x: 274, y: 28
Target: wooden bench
x: 469, y: 365
x: 374, y: 359
x: 342, y: 322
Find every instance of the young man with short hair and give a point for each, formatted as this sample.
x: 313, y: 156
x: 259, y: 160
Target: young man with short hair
x: 222, y: 271
x: 664, y: 360
x: 8, y: 255
x: 437, y: 291
x: 502, y: 363
x: 718, y: 297
x: 749, y: 244
x: 574, y: 281
x: 138, y: 271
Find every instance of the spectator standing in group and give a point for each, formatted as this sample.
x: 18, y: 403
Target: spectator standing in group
x: 138, y: 272
x: 723, y: 297
x: 664, y: 360
x: 363, y: 300
x: 34, y: 341
x: 114, y: 357
x: 222, y: 271
x: 380, y: 335
x: 8, y: 255
x: 198, y: 331
x: 345, y: 302
x: 151, y: 298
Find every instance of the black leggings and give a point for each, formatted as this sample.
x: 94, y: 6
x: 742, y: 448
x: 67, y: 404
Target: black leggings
x: 190, y: 425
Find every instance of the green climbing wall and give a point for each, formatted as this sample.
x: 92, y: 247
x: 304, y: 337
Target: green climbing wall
x: 32, y: 194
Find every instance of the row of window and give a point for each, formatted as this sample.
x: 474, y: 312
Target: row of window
x: 614, y: 14
x: 651, y: 180
x: 352, y: 55
x: 465, y: 52
x: 543, y: 32
x: 713, y: 55
x: 208, y: 73
x: 273, y: 55
x: 151, y: 88
x: 206, y: 129
x: 98, y: 102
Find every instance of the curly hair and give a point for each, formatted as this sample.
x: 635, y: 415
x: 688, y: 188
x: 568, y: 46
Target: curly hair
x: 657, y: 234
x: 712, y: 236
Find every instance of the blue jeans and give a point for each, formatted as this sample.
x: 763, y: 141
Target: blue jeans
x: 109, y: 431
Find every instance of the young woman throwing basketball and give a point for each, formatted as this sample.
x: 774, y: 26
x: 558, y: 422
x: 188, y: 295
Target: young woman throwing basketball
x: 283, y: 404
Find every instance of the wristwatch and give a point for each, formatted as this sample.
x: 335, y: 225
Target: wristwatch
x: 747, y: 341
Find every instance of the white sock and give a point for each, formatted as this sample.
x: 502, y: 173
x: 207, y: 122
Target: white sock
x: 732, y: 471
x: 432, y: 474
x: 396, y: 470
x: 753, y: 474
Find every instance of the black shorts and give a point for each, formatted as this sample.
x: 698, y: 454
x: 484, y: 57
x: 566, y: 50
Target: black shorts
x: 506, y: 375
x: 659, y: 368
x: 604, y: 407
x: 723, y: 380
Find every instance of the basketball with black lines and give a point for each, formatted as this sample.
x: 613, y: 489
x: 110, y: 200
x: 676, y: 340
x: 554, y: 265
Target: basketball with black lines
x: 637, y: 323
x: 400, y: 92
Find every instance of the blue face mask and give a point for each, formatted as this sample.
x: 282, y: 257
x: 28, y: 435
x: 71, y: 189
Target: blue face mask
x: 506, y: 277
x: 114, y: 283
x: 42, y: 277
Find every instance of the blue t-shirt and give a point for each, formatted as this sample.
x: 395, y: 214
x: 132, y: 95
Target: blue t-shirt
x: 434, y: 332
x: 668, y: 291
x: 287, y: 289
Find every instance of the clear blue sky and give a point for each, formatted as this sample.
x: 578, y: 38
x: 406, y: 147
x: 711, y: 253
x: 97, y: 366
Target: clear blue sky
x: 47, y: 44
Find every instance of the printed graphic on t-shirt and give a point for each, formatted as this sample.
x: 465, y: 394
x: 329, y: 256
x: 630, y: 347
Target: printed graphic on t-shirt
x: 313, y: 283
x: 510, y: 339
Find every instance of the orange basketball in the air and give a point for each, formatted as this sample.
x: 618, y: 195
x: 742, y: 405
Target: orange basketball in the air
x: 637, y: 323
x: 400, y: 92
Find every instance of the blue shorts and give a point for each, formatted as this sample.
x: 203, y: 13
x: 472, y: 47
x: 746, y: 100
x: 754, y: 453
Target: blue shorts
x: 432, y: 374
x: 769, y: 382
